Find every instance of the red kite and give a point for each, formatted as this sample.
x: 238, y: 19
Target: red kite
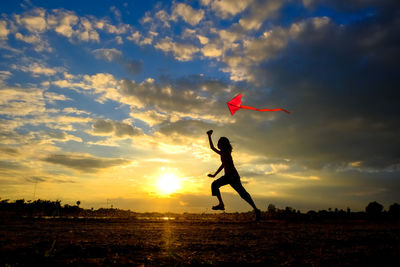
x: 236, y: 103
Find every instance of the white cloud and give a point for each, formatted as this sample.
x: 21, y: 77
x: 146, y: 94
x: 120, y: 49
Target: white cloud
x: 103, y: 85
x: 4, y: 75
x: 203, y: 40
x: 205, y: 2
x: 36, y: 40
x: 70, y: 110
x: 259, y: 12
x: 151, y: 117
x: 147, y: 18
x: 135, y: 37
x: 63, y: 21
x: 68, y: 24
x: 187, y: 13
x: 86, y: 31
x: 120, y: 29
x: 226, y: 8
x: 163, y: 17
x: 320, y: 22
x: 108, y: 54
x: 4, y: 31
x: 51, y: 97
x: 211, y: 50
x: 229, y: 36
x: 182, y: 52
x: 38, y: 69
x: 21, y: 102
x: 33, y: 21
x: 254, y: 50
x: 139, y: 39
x: 119, y: 40
x: 56, y: 135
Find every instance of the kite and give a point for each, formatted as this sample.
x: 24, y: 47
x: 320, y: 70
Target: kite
x: 236, y: 103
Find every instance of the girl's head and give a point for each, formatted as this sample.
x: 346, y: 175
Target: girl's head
x: 224, y: 145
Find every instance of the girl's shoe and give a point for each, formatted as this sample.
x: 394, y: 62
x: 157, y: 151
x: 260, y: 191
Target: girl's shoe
x: 219, y: 207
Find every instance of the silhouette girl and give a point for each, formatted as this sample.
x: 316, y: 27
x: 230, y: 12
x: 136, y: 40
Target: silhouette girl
x: 231, y: 176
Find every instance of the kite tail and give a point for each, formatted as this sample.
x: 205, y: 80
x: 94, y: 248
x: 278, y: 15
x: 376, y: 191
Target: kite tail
x: 266, y: 109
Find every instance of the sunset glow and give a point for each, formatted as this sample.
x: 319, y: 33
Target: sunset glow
x: 168, y: 183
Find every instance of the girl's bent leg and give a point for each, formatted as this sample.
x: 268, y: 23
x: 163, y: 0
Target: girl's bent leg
x: 217, y: 184
x: 215, y: 192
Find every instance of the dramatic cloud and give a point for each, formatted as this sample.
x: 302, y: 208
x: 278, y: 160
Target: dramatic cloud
x: 342, y: 113
x: 67, y: 91
x: 193, y: 97
x: 83, y: 162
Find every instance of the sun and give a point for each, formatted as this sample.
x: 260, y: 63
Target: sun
x: 168, y: 183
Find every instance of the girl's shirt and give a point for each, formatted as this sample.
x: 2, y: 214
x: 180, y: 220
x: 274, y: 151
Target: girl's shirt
x: 229, y: 167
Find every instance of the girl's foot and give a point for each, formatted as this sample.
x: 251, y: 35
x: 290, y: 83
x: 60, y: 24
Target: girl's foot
x: 219, y: 207
x: 258, y: 214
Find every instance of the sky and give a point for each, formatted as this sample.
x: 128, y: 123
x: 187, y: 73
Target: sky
x: 108, y: 102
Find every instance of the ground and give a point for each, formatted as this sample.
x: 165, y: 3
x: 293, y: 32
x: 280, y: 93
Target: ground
x: 196, y: 240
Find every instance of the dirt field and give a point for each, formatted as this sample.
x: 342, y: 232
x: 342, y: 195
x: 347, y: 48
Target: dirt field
x: 196, y: 241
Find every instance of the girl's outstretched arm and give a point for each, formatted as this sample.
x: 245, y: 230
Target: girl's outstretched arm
x: 209, y: 133
x: 219, y: 169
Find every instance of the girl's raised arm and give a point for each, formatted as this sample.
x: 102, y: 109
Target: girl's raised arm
x: 209, y: 133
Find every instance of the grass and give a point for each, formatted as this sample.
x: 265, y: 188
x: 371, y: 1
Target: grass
x: 220, y: 240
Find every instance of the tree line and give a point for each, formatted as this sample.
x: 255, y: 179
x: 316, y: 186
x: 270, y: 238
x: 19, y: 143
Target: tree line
x: 40, y: 207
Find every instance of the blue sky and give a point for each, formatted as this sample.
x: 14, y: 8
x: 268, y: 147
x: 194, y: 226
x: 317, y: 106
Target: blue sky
x: 107, y: 99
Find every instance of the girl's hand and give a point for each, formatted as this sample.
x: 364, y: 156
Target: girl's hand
x: 210, y: 132
x: 211, y: 175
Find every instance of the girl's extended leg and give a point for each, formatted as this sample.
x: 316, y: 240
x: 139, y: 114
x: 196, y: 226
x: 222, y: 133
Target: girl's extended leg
x: 246, y: 196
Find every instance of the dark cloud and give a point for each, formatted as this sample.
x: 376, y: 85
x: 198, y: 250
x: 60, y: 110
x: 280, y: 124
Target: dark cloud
x: 36, y: 179
x: 351, y: 5
x: 11, y: 165
x: 56, y: 134
x: 9, y: 151
x: 42, y: 179
x: 116, y: 128
x: 133, y: 67
x: 340, y: 81
x: 192, y: 128
x: 83, y: 163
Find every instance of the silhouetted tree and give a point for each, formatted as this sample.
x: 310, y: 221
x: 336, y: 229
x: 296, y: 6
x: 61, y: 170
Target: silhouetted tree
x: 271, y: 208
x: 374, y: 209
x: 78, y: 203
x: 289, y: 210
x: 394, y: 210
